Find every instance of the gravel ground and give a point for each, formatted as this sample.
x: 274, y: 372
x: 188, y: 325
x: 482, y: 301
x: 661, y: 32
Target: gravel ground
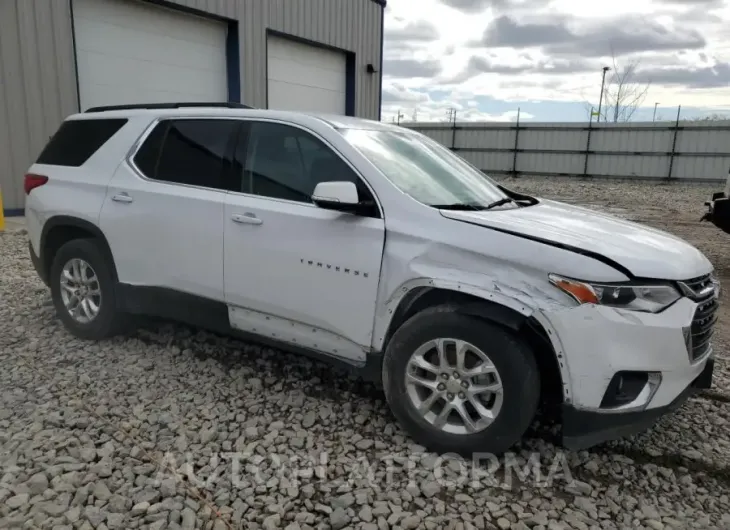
x: 175, y: 428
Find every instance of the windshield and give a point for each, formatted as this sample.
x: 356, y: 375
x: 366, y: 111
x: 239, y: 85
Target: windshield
x: 424, y: 169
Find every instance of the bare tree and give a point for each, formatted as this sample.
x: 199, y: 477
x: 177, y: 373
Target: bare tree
x: 624, y: 92
x: 711, y: 117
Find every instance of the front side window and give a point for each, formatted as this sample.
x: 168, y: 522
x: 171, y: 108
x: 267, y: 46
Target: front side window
x: 424, y: 169
x: 286, y: 162
x: 188, y: 151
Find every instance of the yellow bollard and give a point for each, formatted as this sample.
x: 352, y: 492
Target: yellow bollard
x: 2, y: 215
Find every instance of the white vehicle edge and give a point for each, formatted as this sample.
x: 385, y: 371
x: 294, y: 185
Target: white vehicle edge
x: 534, y: 280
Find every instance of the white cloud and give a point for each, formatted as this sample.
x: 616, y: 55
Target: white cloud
x: 433, y: 62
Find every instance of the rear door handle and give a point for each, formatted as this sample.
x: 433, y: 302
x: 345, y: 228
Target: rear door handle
x: 122, y: 197
x: 248, y: 218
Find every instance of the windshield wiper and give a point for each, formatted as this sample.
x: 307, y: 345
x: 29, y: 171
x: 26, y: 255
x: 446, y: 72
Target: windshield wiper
x: 458, y: 206
x: 500, y: 202
x: 471, y: 206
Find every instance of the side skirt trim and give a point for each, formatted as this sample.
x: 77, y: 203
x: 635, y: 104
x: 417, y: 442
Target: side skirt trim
x: 213, y: 316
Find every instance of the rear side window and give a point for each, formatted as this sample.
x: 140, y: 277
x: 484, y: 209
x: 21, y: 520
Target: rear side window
x: 192, y: 152
x: 76, y: 140
x: 149, y: 152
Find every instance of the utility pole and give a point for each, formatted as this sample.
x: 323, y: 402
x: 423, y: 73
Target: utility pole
x: 453, y: 128
x: 600, y: 99
x: 400, y: 115
x: 451, y: 114
x: 415, y: 115
x: 655, y: 106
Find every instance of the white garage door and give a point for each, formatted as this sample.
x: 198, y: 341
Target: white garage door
x: 306, y: 78
x: 131, y: 52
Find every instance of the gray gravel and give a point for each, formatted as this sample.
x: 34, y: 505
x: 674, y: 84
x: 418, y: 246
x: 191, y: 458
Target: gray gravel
x: 174, y: 428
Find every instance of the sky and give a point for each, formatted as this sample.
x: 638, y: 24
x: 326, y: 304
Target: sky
x: 488, y: 58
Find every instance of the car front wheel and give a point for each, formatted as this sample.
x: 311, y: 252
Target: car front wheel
x: 459, y: 384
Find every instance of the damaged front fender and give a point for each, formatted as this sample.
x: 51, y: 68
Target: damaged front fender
x: 487, y: 265
x: 502, y: 304
x: 525, y: 300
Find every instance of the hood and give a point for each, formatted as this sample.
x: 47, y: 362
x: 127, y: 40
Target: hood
x: 646, y: 252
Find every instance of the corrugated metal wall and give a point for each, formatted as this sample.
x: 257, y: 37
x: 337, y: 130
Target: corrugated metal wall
x: 700, y: 152
x: 37, y: 85
x: 38, y: 72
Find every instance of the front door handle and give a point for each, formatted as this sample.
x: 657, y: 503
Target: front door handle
x: 246, y: 218
x: 122, y: 197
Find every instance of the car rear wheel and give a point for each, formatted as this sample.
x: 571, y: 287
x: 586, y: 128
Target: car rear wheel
x: 459, y: 384
x: 83, y: 291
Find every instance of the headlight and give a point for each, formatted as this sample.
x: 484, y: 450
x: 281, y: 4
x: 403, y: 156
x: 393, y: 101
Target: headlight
x: 649, y: 298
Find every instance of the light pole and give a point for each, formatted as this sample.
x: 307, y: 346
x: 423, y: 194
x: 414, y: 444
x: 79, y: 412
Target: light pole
x: 655, y: 105
x: 399, y: 115
x: 600, y: 99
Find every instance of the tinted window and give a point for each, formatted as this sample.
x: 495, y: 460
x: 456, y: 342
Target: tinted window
x: 149, y: 152
x: 76, y: 140
x: 287, y: 163
x: 190, y: 152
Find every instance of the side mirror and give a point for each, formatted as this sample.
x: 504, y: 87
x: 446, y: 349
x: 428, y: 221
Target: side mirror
x: 340, y: 196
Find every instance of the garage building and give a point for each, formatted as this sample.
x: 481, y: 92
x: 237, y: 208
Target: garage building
x: 61, y: 56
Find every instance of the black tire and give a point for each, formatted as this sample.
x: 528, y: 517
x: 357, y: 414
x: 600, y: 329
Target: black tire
x: 109, y: 321
x: 513, y: 359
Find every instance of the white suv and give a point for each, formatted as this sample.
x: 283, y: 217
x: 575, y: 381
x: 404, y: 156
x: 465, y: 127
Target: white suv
x: 374, y: 245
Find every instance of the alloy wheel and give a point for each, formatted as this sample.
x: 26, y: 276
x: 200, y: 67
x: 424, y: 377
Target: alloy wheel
x: 80, y: 291
x: 454, y: 386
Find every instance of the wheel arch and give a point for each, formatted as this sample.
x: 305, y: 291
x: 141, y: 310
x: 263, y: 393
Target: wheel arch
x: 61, y: 229
x: 516, y: 317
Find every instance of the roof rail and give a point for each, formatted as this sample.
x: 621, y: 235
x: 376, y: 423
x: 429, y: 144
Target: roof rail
x: 225, y: 104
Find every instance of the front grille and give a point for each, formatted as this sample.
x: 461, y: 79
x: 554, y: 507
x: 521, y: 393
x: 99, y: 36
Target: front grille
x: 703, y: 323
x: 697, y: 285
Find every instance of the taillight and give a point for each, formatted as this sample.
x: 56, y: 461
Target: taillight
x: 33, y: 181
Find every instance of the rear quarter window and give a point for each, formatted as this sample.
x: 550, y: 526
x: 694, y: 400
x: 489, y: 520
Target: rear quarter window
x: 76, y: 140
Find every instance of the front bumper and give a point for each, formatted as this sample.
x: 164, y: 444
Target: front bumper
x: 597, y: 342
x: 718, y: 211
x: 583, y: 429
